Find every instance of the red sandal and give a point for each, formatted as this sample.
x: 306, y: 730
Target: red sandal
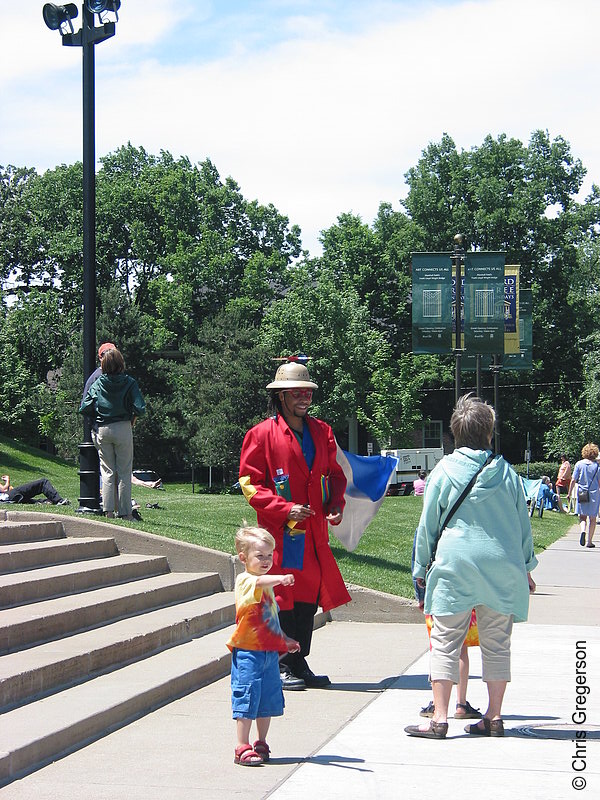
x: 263, y: 749
x: 245, y: 756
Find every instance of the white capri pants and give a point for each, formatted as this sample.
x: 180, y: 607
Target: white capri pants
x: 114, y: 443
x: 448, y: 634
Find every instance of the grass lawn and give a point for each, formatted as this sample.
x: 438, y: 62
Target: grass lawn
x: 381, y: 560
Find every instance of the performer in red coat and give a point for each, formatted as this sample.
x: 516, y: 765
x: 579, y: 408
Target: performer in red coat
x: 290, y: 476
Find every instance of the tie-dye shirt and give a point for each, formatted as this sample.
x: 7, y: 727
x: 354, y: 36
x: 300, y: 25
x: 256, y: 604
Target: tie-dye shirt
x: 256, y: 617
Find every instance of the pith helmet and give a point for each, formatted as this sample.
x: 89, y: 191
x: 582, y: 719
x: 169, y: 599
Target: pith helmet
x: 292, y: 375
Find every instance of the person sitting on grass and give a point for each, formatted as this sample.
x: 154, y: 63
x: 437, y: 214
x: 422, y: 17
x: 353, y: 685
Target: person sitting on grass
x: 256, y: 691
x: 27, y: 491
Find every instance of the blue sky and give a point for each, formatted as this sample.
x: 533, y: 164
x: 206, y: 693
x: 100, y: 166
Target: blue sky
x: 317, y: 107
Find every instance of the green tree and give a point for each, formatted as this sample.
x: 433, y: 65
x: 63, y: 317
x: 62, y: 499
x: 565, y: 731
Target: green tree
x: 350, y: 360
x: 521, y: 199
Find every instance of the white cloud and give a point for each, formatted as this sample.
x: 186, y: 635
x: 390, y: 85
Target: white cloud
x: 324, y: 121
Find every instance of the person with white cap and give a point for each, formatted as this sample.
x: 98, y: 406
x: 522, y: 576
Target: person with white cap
x: 290, y: 476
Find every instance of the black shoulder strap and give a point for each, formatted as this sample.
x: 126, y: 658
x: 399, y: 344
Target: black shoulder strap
x: 457, y: 504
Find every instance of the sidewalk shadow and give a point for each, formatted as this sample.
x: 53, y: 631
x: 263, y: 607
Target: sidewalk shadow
x: 413, y: 682
x: 324, y: 760
x: 378, y: 687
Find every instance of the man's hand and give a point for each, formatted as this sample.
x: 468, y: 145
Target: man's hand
x: 299, y: 512
x: 292, y: 645
x: 334, y: 517
x: 532, y: 586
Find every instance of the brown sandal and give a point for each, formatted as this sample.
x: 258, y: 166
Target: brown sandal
x: 491, y: 727
x: 263, y: 749
x: 245, y: 756
x: 436, y: 730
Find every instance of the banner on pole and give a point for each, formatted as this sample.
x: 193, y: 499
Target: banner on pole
x: 484, y: 303
x: 523, y: 359
x: 517, y: 361
x: 431, y: 302
x: 511, y: 309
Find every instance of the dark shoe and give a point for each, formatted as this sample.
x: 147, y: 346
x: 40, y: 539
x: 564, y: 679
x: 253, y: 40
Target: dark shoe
x: 436, y: 730
x: 466, y: 711
x: 263, y: 749
x: 591, y: 544
x: 582, y: 539
x: 428, y: 711
x: 491, y: 727
x: 312, y: 681
x: 290, y: 682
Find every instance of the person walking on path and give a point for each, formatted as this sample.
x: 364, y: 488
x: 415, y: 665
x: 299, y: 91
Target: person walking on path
x: 114, y: 401
x: 587, y: 475
x: 480, y: 561
x: 256, y: 691
x: 563, y: 479
x: 290, y: 476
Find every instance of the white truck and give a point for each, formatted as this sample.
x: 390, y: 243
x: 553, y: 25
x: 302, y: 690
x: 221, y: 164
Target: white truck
x: 410, y: 463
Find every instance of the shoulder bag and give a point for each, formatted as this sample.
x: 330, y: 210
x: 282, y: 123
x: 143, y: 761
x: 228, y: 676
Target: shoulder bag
x: 454, y: 509
x: 583, y: 493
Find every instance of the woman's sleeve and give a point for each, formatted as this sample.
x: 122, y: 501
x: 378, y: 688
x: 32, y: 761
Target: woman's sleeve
x: 88, y: 404
x: 525, y: 522
x: 428, y: 528
x: 139, y: 404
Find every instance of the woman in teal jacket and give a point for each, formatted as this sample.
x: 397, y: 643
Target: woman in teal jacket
x: 114, y: 401
x: 483, y: 561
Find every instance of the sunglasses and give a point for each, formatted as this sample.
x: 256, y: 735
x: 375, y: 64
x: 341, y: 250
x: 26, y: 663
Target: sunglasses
x: 300, y: 393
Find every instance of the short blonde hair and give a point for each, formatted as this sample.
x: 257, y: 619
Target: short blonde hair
x: 472, y: 423
x: 248, y: 534
x: 590, y: 451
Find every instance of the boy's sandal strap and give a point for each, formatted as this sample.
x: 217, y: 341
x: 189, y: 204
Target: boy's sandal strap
x: 246, y: 756
x: 262, y: 748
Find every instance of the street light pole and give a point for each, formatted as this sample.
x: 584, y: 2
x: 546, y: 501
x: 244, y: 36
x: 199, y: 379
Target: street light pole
x: 57, y: 17
x: 457, y: 258
x: 89, y: 482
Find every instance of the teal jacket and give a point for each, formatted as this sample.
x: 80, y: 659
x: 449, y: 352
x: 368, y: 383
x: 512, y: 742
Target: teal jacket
x: 485, y: 553
x: 113, y: 398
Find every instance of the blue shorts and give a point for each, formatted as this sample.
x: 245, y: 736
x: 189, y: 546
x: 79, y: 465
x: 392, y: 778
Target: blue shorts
x: 255, y: 684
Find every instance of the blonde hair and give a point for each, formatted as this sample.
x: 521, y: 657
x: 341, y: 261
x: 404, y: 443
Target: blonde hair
x: 248, y: 534
x: 472, y: 423
x: 590, y: 451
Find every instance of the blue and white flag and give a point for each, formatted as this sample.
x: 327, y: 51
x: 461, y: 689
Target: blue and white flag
x: 367, y: 480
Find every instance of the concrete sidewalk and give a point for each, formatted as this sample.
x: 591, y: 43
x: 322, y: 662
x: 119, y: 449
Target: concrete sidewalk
x: 348, y: 741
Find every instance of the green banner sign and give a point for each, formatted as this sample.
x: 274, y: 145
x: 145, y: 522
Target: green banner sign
x: 523, y: 359
x: 484, y: 303
x: 517, y: 361
x: 431, y: 302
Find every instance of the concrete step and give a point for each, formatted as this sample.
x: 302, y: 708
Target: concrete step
x: 31, y: 555
x: 39, y: 732
x: 62, y: 616
x: 13, y: 532
x: 47, y: 667
x: 17, y: 588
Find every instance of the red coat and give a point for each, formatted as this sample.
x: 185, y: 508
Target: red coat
x: 270, y: 446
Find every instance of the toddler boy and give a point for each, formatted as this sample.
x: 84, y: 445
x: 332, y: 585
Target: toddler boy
x: 256, y: 692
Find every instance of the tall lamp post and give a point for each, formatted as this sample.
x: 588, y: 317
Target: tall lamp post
x: 457, y: 261
x: 59, y: 17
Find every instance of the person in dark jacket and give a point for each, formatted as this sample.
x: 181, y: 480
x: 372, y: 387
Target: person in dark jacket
x: 114, y: 402
x: 27, y: 491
